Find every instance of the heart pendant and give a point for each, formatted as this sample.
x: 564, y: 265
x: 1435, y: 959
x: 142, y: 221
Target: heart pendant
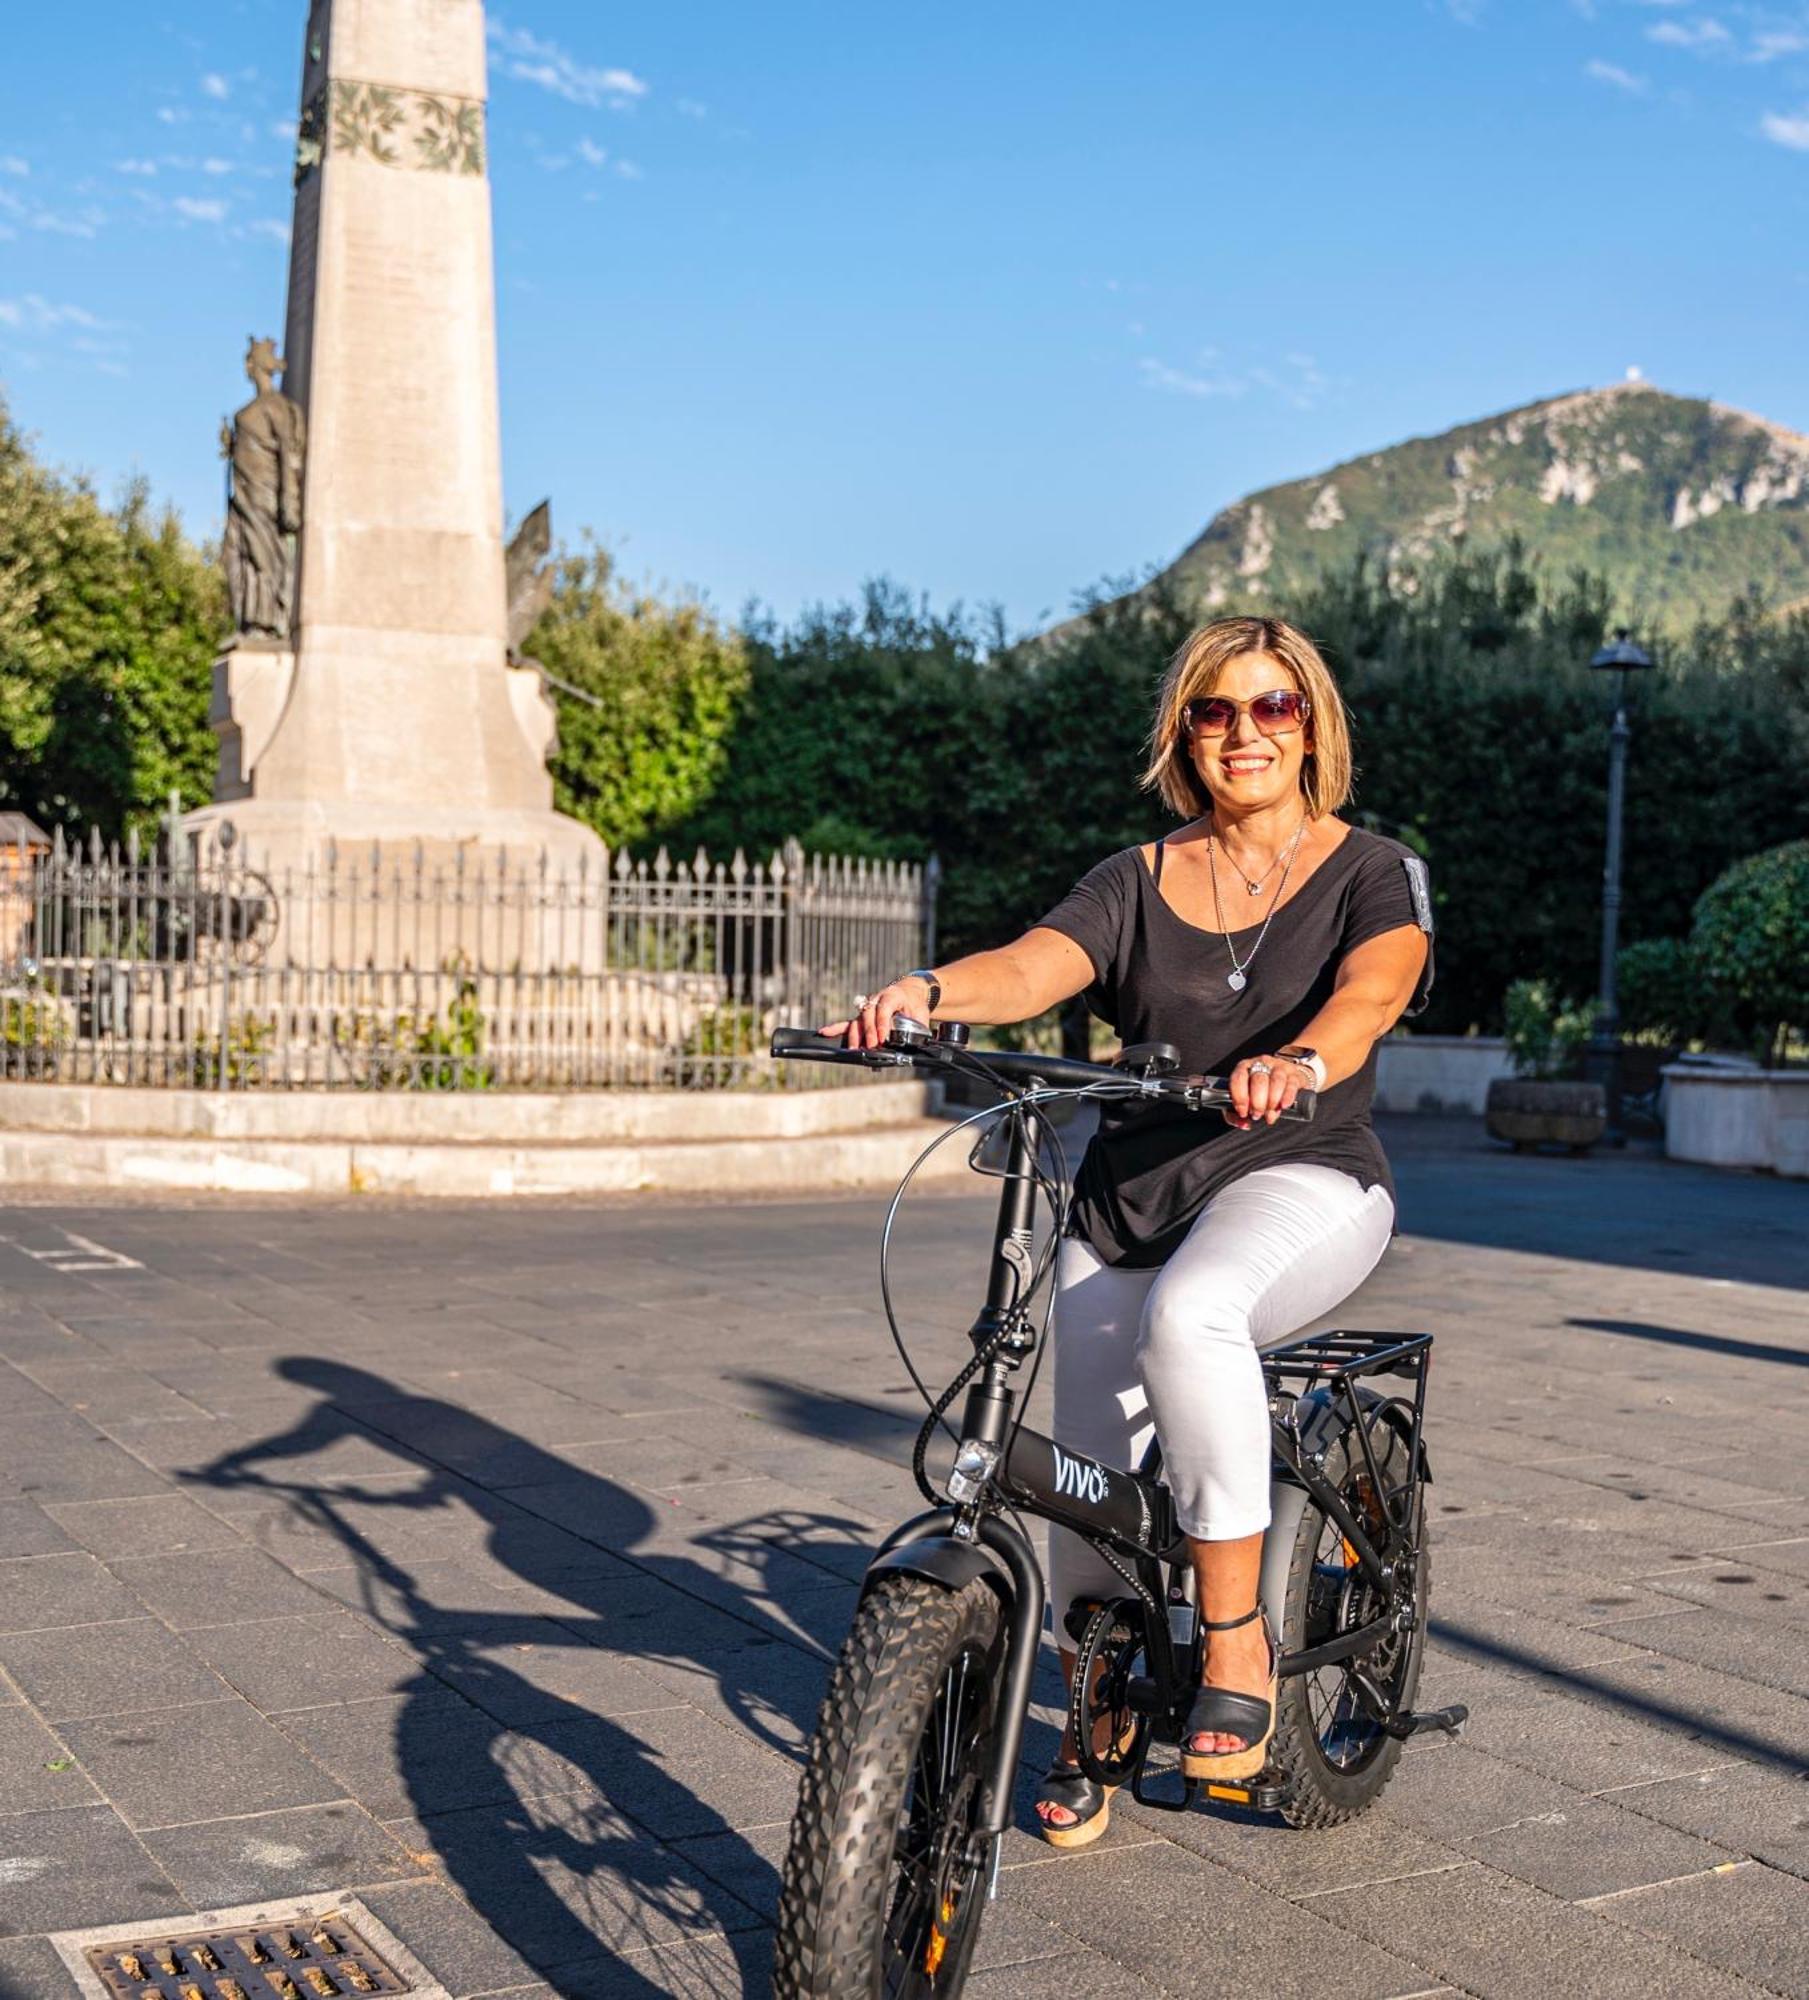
x: 1235, y: 980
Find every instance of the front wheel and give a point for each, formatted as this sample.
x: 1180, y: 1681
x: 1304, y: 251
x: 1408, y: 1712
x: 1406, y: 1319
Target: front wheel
x: 884, y: 1881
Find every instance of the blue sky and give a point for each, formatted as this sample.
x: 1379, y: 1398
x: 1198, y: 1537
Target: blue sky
x: 998, y: 300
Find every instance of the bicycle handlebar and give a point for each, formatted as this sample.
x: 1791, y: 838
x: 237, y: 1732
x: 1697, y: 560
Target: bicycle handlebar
x: 1199, y: 1093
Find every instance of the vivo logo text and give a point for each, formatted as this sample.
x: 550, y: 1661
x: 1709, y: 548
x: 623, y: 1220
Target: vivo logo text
x: 1079, y: 1477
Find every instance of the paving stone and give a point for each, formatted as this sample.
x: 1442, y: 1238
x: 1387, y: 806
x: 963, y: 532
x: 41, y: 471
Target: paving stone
x: 43, y: 1593
x: 216, y: 1587
x: 566, y: 1876
x: 108, y: 1388
x: 1592, y: 1849
x: 1447, y: 1791
x: 307, y: 1662
x: 703, y: 1969
x: 1748, y: 1919
x: 435, y: 1753
x: 37, y: 1771
x: 1744, y: 1808
x: 65, y: 1458
x: 532, y: 1670
x: 157, y: 1525
x: 219, y: 1864
x: 133, y: 1663
x: 172, y: 1766
x: 1493, y: 1936
x: 447, y: 1935
x: 26, y: 1530
x: 33, y: 1969
x: 70, y: 1868
x: 1169, y: 1945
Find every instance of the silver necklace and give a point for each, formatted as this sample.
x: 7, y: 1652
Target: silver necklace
x: 1255, y: 888
x: 1238, y: 977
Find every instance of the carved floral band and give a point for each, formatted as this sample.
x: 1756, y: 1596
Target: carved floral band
x: 396, y: 128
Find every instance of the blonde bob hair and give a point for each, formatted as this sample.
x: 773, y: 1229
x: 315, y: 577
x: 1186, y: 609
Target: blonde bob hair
x: 1195, y: 671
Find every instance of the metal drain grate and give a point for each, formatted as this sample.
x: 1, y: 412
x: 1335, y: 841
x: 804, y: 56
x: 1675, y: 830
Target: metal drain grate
x: 320, y: 1958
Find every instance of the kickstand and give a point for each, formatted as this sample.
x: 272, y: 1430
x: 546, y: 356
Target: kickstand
x: 1451, y: 1720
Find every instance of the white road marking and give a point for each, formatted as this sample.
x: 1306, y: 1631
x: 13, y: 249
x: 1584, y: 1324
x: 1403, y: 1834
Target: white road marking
x: 77, y: 1253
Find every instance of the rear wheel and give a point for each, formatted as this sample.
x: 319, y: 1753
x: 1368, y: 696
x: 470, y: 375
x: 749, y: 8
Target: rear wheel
x: 884, y: 1881
x: 1335, y: 1757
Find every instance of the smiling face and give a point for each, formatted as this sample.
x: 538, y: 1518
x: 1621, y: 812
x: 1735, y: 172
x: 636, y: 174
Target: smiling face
x: 1243, y: 769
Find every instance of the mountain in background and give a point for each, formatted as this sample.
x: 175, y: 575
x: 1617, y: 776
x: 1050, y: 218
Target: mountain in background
x: 1681, y: 504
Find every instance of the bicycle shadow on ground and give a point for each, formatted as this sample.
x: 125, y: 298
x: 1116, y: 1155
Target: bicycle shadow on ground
x: 555, y: 1794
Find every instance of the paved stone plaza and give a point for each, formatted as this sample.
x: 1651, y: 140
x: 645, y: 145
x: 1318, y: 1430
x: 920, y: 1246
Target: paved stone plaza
x: 482, y: 1560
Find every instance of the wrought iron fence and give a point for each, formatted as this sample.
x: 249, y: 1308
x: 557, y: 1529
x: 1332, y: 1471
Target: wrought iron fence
x: 183, y: 966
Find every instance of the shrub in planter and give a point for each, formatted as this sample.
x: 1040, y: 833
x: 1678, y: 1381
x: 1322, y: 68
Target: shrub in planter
x: 1544, y: 1103
x: 1751, y: 939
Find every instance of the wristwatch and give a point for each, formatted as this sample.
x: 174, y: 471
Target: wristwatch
x: 929, y: 978
x: 1308, y: 1059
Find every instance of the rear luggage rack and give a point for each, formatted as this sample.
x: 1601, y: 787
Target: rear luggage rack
x: 1337, y: 1356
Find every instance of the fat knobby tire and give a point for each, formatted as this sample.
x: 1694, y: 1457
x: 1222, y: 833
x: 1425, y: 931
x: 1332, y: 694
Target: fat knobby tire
x: 1318, y: 1794
x: 838, y: 1868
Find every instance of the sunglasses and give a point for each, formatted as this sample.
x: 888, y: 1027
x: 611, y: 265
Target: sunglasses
x: 1274, y: 713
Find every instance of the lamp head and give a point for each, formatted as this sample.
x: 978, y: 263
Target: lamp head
x: 1621, y: 653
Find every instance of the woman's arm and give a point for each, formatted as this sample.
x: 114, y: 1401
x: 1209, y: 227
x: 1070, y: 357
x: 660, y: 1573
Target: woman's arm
x: 988, y: 988
x: 1374, y: 983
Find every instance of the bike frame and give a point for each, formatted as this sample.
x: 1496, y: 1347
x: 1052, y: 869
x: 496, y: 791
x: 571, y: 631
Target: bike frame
x: 1132, y: 1513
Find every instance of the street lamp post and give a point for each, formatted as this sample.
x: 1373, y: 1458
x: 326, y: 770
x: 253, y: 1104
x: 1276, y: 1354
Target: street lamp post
x: 1621, y: 657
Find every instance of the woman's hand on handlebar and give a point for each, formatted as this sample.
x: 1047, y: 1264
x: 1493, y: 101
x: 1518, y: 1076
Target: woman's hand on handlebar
x: 1262, y: 1088
x: 874, y: 1013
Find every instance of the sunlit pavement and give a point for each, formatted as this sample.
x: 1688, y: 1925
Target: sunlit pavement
x: 482, y: 1561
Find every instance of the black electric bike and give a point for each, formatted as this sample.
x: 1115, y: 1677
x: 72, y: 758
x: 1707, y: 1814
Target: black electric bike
x: 908, y: 1783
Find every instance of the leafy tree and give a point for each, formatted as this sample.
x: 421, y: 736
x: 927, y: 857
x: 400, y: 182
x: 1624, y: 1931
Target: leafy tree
x: 109, y: 618
x: 649, y: 693
x: 1751, y: 939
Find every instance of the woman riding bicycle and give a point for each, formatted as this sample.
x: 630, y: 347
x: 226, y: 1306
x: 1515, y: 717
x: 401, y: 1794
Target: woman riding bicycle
x: 1272, y: 941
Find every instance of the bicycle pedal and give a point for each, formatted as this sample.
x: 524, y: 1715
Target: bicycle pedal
x: 1264, y: 1793
x: 1451, y: 1720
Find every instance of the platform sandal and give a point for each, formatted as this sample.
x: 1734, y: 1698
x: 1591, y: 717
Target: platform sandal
x: 1224, y: 1712
x: 1066, y: 1785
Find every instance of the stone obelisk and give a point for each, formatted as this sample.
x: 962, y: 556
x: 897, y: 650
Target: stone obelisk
x: 393, y: 715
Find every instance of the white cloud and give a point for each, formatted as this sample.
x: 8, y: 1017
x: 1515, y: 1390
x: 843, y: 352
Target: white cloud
x: 1618, y: 78
x: 144, y: 167
x: 265, y: 225
x: 213, y: 84
x: 592, y: 154
x: 171, y: 114
x: 629, y: 171
x: 10, y: 163
x: 1706, y: 33
x: 216, y: 166
x: 282, y: 128
x: 688, y: 107
x: 1177, y: 381
x: 34, y: 313
x: 1787, y: 129
x: 529, y: 59
x: 1297, y: 380
x: 1771, y: 43
x: 199, y: 211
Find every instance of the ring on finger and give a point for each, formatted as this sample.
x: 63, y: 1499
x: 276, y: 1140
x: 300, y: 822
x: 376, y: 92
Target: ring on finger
x: 1262, y: 1069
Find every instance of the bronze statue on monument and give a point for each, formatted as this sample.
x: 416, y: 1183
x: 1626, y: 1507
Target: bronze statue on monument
x: 263, y: 444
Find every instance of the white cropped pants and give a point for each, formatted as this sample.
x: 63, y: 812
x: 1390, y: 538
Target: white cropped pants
x: 1173, y: 1351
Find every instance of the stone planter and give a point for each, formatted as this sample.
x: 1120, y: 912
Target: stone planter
x: 1529, y: 1113
x: 1439, y: 1073
x: 1738, y: 1117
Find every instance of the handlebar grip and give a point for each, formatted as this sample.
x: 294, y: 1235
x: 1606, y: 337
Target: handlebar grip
x: 807, y: 1042
x: 1303, y: 1107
